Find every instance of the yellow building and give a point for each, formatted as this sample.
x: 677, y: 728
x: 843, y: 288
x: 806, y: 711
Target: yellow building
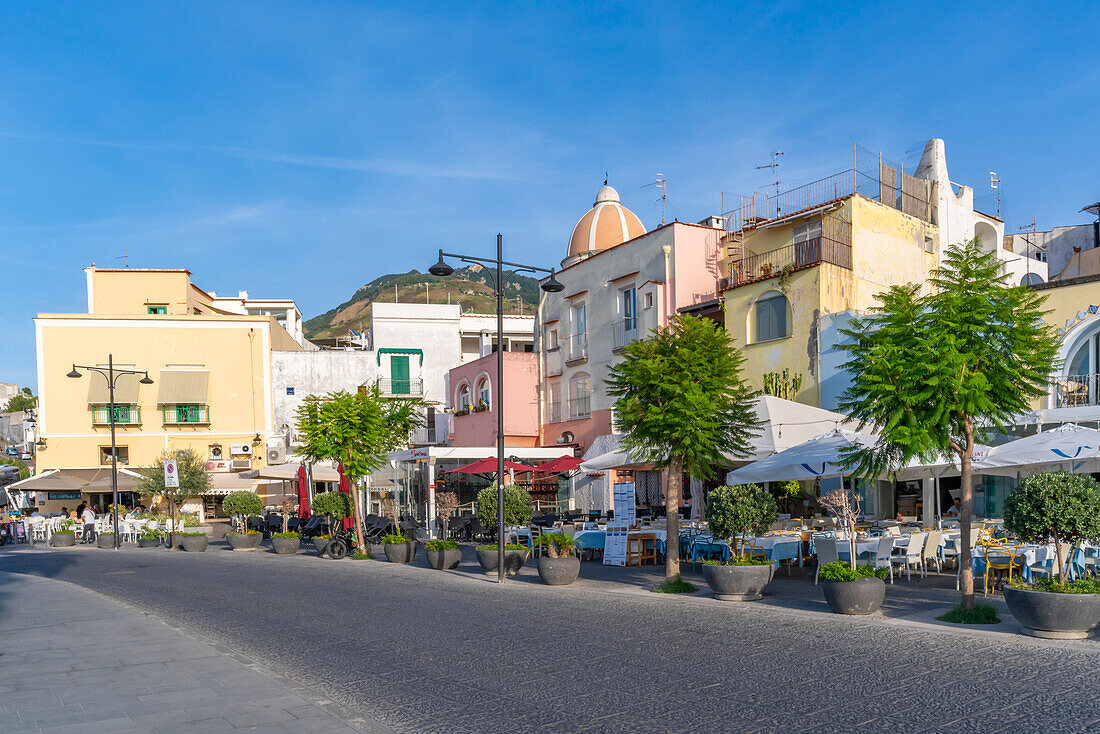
x: 211, y: 372
x: 1074, y: 392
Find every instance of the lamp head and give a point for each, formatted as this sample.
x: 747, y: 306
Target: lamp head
x: 553, y: 285
x: 441, y: 269
x: 145, y: 380
x: 73, y: 372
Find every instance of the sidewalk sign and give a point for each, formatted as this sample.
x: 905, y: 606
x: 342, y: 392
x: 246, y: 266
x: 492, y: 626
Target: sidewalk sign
x: 614, y: 547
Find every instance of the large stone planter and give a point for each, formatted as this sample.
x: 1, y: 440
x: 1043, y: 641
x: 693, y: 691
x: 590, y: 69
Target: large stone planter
x: 148, y: 542
x: 738, y: 583
x: 321, y: 544
x: 62, y: 540
x: 244, y: 541
x: 559, y: 571
x: 1054, y: 616
x: 193, y: 543
x: 105, y: 540
x: 286, y: 546
x: 513, y: 561
x: 862, y: 596
x: 444, y: 560
x: 400, y: 552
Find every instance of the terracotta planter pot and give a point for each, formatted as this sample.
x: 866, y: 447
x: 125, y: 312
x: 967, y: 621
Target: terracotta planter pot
x: 862, y: 596
x: 62, y: 540
x: 400, y: 552
x: 513, y: 561
x: 244, y: 541
x: 193, y: 543
x: 738, y: 583
x: 444, y: 560
x: 1054, y: 616
x: 559, y: 571
x: 286, y: 546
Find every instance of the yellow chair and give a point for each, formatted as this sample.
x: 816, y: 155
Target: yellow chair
x: 757, y: 553
x: 1000, y: 557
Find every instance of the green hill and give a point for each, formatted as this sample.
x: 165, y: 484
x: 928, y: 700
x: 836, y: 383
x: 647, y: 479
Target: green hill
x: 468, y: 286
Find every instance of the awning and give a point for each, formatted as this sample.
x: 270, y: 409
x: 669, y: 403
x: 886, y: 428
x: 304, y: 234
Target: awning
x: 400, y: 350
x: 87, y: 480
x: 289, y: 472
x: 183, y: 387
x: 126, y: 389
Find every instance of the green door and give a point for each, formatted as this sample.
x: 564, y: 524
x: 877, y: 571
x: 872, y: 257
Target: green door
x: 399, y: 375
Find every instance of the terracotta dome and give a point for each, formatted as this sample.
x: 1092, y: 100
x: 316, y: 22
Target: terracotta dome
x: 607, y: 223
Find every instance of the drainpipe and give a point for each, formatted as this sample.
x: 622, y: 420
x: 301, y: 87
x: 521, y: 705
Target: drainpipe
x: 667, y: 249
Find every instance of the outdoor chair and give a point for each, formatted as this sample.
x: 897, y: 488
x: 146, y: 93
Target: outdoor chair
x: 1000, y: 558
x: 825, y: 550
x: 1050, y: 566
x: 931, y: 550
x: 881, y: 555
x: 910, y: 555
x: 641, y: 547
x: 952, y: 551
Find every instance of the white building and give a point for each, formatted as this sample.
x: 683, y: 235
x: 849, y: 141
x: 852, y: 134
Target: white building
x: 1069, y: 251
x: 284, y: 310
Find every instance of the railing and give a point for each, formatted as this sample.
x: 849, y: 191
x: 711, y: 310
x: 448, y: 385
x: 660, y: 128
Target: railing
x: 1071, y: 391
x: 424, y: 435
x: 401, y: 388
x: 578, y: 348
x: 125, y: 415
x: 553, y: 411
x: 184, y: 415
x: 803, y: 254
x: 580, y: 406
x: 625, y: 331
x: 553, y: 362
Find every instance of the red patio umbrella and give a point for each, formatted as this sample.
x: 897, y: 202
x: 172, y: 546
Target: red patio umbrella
x: 560, y: 464
x: 488, y: 466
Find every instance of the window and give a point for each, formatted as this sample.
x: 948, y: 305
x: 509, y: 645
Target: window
x: 184, y: 414
x: 630, y: 308
x: 771, y: 317
x: 807, y: 231
x: 580, y: 321
x: 159, y: 310
x: 462, y: 400
x: 124, y: 414
x: 188, y: 413
x: 580, y: 396
x: 400, y: 384
x: 483, y: 390
x: 647, y: 301
x: 929, y: 244
x: 122, y: 452
x: 552, y: 338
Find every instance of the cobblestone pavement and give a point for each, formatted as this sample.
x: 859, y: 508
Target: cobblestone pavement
x: 414, y: 649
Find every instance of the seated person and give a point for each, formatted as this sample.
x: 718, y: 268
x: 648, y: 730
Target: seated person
x: 955, y: 509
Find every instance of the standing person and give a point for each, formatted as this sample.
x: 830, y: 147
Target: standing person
x: 88, y: 516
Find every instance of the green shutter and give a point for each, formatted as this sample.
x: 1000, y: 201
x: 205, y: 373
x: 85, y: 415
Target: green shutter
x: 399, y: 375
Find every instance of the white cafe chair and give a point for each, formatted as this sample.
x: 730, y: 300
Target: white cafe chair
x: 910, y: 555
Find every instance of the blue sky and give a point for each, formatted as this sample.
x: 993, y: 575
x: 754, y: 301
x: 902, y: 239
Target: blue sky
x: 301, y: 149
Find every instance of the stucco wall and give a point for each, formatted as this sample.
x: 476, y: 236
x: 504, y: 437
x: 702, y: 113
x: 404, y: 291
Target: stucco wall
x: 521, y: 422
x: 316, y: 373
x: 131, y: 291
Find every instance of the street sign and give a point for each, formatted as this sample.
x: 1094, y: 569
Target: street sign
x: 171, y: 476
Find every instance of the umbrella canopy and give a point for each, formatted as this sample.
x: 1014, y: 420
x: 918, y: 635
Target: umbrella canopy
x: 818, y: 457
x: 943, y: 466
x: 1069, y: 446
x: 488, y: 466
x: 560, y: 464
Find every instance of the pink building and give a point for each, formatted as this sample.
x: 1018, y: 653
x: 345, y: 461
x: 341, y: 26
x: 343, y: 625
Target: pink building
x: 472, y: 394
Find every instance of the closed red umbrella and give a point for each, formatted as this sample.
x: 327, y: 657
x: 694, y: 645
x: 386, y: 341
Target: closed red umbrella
x: 303, y: 493
x: 488, y: 466
x: 345, y: 486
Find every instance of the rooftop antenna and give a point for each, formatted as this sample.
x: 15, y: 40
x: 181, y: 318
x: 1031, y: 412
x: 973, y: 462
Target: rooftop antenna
x: 995, y: 184
x: 774, y: 165
x: 125, y: 256
x: 605, y: 178
x: 660, y: 184
x: 1028, y: 233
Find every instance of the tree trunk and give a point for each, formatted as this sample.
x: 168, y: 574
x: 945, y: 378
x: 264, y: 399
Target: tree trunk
x: 851, y: 528
x: 966, y: 517
x: 358, y: 530
x: 1059, y: 565
x: 672, y: 520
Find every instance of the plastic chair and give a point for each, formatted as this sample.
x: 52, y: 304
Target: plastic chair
x: 1000, y: 558
x: 826, y: 553
x: 910, y: 556
x: 931, y: 551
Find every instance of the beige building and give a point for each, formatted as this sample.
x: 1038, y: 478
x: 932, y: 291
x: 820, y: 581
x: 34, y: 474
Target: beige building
x: 211, y: 372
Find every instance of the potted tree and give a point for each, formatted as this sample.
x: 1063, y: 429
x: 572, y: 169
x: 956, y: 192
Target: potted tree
x: 560, y: 565
x: 335, y: 506
x: 149, y: 538
x: 517, y: 511
x: 443, y: 554
x: 398, y: 548
x: 64, y: 537
x: 445, y: 505
x: 286, y: 543
x: 242, y: 504
x: 1066, y: 508
x: 848, y: 588
x: 193, y: 480
x: 733, y: 512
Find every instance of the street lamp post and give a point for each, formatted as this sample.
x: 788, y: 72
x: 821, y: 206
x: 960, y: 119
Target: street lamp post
x: 111, y: 374
x: 442, y: 269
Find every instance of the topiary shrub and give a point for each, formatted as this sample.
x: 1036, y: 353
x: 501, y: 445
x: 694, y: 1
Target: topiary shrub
x: 244, y: 504
x: 734, y: 511
x: 336, y: 504
x: 1058, y: 505
x: 517, y: 506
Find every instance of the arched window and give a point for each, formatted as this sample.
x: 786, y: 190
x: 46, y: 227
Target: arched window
x: 483, y: 391
x: 462, y: 399
x: 1031, y: 279
x: 771, y: 317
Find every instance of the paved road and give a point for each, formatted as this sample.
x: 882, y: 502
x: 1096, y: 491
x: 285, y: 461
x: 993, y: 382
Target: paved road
x: 413, y: 649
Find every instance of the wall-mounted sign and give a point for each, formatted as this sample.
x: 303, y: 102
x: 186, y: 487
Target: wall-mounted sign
x: 67, y: 495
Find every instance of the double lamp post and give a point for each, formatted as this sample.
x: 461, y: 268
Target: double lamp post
x: 552, y: 285
x: 111, y: 375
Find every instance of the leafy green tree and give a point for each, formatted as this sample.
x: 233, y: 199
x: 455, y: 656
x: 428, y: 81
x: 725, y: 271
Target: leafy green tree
x: 25, y: 400
x: 734, y: 511
x: 682, y: 404
x: 517, y: 505
x: 357, y: 430
x: 194, y: 480
x: 929, y: 370
x: 244, y: 504
x: 336, y: 505
x: 1058, y: 505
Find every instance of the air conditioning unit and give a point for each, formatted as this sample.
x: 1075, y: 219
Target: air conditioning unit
x: 276, y: 454
x: 237, y: 464
x: 241, y: 449
x: 216, y: 452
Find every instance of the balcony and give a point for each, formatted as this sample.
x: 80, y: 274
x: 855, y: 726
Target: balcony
x: 577, y: 349
x: 1073, y: 391
x: 625, y: 331
x: 755, y: 268
x: 580, y: 406
x: 125, y: 415
x: 186, y: 415
x: 403, y: 388
x: 553, y: 411
x: 426, y: 436
x: 553, y: 362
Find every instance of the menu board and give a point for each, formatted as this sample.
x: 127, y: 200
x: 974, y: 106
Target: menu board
x: 623, y: 497
x: 614, y: 547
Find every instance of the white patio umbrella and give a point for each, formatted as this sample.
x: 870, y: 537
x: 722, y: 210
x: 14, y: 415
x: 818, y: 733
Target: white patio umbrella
x: 1070, y: 446
x: 818, y: 457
